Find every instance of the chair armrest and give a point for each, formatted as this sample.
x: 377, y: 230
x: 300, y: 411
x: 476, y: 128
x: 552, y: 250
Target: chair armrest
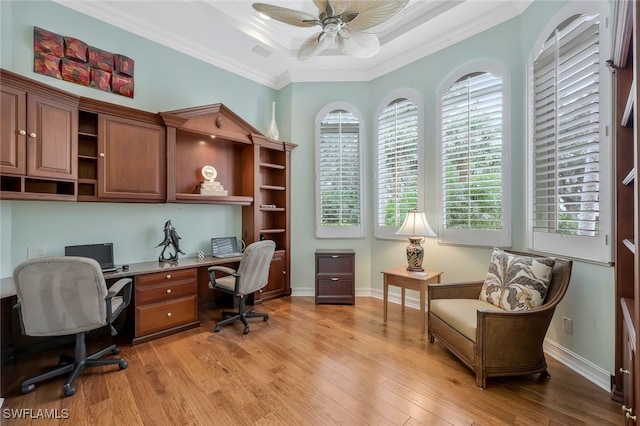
x: 512, y: 337
x: 466, y: 290
x: 228, y: 271
x: 123, y: 283
x: 123, y: 286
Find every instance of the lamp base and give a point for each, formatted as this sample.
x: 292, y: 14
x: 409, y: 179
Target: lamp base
x: 415, y: 254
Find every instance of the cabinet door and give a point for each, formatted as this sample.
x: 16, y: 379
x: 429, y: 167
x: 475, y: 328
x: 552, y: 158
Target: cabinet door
x: 131, y: 159
x: 52, y: 138
x: 13, y: 131
x: 627, y: 372
x: 277, y: 285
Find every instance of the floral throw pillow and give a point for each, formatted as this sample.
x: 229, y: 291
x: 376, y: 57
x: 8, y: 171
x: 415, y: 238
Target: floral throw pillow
x: 516, y: 283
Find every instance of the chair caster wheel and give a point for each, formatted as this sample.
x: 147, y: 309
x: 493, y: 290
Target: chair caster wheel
x: 28, y: 388
x: 65, y: 360
x: 246, y: 330
x: 217, y: 328
x: 68, y: 390
x: 115, y: 351
x: 123, y: 364
x: 265, y: 318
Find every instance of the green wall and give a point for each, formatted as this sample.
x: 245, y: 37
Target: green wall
x: 166, y: 80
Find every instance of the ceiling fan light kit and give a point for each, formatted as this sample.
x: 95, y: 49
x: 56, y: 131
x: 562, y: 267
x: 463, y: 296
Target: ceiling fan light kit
x: 344, y: 24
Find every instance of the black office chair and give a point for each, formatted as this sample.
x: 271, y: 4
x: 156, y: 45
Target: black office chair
x: 251, y: 276
x: 59, y: 296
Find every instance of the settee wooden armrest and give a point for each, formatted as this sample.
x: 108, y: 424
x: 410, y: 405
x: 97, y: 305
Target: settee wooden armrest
x: 465, y: 290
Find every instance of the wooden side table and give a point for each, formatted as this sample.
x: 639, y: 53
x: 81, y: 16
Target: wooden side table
x: 418, y: 281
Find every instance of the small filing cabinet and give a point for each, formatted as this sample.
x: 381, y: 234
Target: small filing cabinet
x: 335, y: 276
x: 165, y: 303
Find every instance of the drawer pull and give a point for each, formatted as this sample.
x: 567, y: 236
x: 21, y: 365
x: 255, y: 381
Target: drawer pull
x: 334, y: 279
x: 623, y: 371
x: 168, y: 276
x: 169, y: 314
x: 630, y: 417
x: 168, y: 291
x: 335, y: 256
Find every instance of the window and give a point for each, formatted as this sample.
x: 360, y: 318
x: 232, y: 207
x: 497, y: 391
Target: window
x: 569, y: 167
x: 339, y: 173
x: 399, y: 174
x: 474, y: 176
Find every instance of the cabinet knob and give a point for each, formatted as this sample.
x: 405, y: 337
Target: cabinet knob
x: 334, y: 279
x: 168, y: 314
x: 625, y: 409
x: 102, y: 155
x: 623, y: 371
x: 168, y: 291
x: 630, y: 417
x: 22, y: 133
x: 32, y: 135
x: 335, y: 256
x: 168, y: 276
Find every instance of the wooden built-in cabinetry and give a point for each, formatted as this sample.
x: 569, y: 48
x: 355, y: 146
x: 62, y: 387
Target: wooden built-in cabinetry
x: 38, y: 146
x: 121, y: 154
x: 165, y: 302
x: 627, y: 271
x: 254, y: 170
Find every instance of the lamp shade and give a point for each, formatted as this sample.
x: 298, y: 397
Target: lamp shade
x: 416, y: 225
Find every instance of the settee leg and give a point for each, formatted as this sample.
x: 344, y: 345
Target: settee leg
x: 544, y: 376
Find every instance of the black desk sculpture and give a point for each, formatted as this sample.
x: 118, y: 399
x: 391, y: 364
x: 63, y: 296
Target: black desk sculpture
x: 171, y: 238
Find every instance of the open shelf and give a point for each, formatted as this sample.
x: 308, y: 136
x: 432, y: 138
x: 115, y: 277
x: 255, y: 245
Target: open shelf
x: 630, y: 245
x: 272, y: 166
x: 215, y: 199
x: 630, y: 178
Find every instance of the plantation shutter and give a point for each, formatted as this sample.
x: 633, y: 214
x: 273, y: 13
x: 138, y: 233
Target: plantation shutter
x: 339, y: 170
x: 397, y: 162
x: 566, y: 151
x: 472, y: 153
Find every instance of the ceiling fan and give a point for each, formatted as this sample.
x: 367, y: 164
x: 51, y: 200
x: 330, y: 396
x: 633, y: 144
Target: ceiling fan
x: 344, y: 24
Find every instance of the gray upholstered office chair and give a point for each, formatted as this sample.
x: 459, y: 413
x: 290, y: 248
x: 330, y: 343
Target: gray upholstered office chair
x: 251, y: 276
x: 59, y: 296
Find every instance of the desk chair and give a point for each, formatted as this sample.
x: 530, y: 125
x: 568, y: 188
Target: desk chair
x: 59, y: 296
x: 252, y: 275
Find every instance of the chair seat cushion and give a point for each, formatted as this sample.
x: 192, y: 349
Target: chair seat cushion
x: 516, y: 283
x: 228, y: 282
x: 461, y: 314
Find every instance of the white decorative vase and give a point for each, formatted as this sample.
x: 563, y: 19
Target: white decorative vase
x: 272, y: 131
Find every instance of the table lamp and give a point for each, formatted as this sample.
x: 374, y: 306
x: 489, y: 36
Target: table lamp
x: 415, y: 227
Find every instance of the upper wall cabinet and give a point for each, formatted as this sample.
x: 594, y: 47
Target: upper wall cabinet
x: 38, y: 146
x: 121, y: 154
x: 210, y: 135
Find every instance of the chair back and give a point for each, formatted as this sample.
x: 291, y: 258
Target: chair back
x: 254, y: 266
x: 60, y: 295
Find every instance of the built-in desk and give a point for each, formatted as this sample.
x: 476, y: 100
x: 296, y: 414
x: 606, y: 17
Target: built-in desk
x: 166, y: 297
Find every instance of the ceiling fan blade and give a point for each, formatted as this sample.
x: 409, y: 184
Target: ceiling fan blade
x: 373, y: 12
x: 288, y: 16
x: 358, y: 44
x: 338, y: 6
x: 314, y: 45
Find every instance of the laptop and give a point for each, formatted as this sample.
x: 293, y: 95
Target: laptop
x: 225, y: 247
x: 102, y: 252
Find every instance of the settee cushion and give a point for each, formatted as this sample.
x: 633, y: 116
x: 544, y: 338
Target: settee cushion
x: 516, y: 283
x: 461, y: 314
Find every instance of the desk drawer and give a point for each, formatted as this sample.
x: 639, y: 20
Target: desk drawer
x: 165, y: 315
x: 165, y: 286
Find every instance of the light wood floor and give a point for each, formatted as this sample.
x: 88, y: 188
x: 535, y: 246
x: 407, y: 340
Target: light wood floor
x: 308, y: 365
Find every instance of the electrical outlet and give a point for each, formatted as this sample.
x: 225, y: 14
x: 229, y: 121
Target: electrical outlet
x: 567, y: 325
x: 35, y: 252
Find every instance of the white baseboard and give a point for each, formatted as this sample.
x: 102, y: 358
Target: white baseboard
x: 595, y: 374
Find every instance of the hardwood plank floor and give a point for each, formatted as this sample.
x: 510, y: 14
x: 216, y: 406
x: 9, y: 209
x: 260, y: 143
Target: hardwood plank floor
x: 308, y: 365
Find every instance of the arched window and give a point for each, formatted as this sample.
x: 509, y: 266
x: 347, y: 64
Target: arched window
x: 474, y: 176
x: 569, y: 149
x: 339, y: 172
x: 399, y: 170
